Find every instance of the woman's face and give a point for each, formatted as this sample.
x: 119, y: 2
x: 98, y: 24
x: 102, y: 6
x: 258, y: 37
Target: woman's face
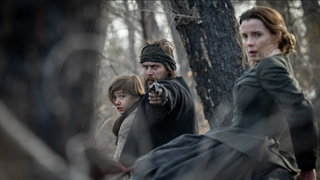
x: 257, y: 39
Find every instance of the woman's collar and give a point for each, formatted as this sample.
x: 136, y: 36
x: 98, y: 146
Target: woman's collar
x: 274, y: 52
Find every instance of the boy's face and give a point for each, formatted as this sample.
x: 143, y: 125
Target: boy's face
x: 123, y: 101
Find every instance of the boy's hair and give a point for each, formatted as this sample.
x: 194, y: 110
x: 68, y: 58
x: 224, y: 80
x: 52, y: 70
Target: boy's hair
x: 128, y: 83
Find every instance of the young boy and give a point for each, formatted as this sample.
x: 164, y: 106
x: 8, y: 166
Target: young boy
x: 124, y: 92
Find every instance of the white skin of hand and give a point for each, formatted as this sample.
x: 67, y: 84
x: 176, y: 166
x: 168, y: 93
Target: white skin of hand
x: 155, y: 99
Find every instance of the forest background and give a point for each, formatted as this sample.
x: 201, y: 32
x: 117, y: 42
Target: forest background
x: 130, y: 23
x: 54, y: 83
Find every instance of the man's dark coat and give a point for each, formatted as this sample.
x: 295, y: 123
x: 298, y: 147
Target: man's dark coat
x: 154, y: 125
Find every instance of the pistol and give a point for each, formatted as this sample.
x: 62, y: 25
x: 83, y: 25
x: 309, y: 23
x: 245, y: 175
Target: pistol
x: 155, y: 87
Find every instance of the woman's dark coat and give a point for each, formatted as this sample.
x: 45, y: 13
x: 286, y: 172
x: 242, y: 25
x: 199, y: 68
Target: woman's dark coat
x: 154, y: 126
x: 266, y: 98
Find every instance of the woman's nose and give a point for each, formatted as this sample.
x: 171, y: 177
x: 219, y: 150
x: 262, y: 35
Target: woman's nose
x: 249, y: 42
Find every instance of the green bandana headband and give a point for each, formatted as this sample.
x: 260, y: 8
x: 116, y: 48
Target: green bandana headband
x: 155, y: 54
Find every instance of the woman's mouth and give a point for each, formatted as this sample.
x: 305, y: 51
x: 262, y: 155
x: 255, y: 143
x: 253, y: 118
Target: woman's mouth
x: 253, y: 53
x: 119, y: 109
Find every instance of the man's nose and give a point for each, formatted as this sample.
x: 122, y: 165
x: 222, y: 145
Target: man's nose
x: 149, y: 72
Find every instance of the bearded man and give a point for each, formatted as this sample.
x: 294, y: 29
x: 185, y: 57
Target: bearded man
x: 164, y: 116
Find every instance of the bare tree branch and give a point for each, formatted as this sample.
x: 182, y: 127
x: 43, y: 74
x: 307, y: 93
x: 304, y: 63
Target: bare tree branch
x: 180, y: 15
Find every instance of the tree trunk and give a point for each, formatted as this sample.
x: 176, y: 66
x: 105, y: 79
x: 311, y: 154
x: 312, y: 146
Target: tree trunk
x: 316, y: 105
x: 150, y: 28
x: 49, y: 51
x: 184, y: 70
x: 180, y: 51
x: 213, y: 44
x: 141, y: 5
x: 312, y: 18
x: 131, y: 37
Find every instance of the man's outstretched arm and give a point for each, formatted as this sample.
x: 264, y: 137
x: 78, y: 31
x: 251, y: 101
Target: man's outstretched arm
x: 163, y: 103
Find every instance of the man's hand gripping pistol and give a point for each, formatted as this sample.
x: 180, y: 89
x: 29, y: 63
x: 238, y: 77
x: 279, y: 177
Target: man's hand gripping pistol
x: 155, y: 88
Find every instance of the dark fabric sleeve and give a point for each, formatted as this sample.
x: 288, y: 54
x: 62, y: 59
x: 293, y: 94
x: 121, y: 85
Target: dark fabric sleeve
x: 170, y: 96
x: 277, y: 79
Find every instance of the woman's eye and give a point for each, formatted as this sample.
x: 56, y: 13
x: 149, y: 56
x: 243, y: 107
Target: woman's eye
x: 257, y: 35
x: 122, y: 96
x: 244, y: 36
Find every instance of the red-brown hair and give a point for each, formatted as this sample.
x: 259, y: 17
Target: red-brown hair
x: 273, y: 20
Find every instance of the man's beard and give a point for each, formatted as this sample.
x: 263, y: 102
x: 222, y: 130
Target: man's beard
x: 146, y: 85
x: 148, y: 78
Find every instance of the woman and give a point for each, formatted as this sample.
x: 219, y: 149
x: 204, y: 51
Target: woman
x: 124, y: 92
x: 266, y: 98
